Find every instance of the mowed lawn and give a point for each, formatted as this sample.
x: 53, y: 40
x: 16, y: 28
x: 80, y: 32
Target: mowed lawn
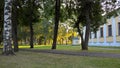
x: 24, y: 59
x: 104, y: 49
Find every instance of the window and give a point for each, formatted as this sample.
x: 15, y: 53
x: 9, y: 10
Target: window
x: 109, y: 30
x: 101, y: 32
x: 119, y: 28
x: 95, y: 34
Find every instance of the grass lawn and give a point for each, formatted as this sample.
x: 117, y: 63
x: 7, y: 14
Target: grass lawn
x: 103, y: 49
x: 78, y: 48
x: 24, y: 59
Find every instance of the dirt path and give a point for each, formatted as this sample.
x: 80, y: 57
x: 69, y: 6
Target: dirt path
x: 92, y: 54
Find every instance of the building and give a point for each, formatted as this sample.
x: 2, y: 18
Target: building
x: 108, y: 34
x: 76, y: 41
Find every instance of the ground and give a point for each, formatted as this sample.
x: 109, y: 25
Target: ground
x: 82, y: 53
x: 60, y: 58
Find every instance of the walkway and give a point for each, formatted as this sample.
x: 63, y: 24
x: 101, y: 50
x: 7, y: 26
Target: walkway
x: 83, y: 53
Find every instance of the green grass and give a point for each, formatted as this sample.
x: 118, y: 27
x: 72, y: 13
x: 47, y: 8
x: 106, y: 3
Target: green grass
x: 104, y: 49
x: 78, y: 48
x: 24, y: 59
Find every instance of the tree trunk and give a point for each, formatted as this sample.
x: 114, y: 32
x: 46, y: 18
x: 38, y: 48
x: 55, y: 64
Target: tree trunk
x: 7, y: 34
x: 1, y: 36
x: 82, y: 40
x: 45, y: 40
x: 15, y: 39
x: 1, y: 21
x: 57, y: 16
x: 14, y: 27
x: 31, y: 35
x: 85, y: 43
x: 66, y: 41
x: 39, y: 41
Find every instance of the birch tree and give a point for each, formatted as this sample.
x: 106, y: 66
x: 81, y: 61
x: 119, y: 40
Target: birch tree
x: 7, y: 32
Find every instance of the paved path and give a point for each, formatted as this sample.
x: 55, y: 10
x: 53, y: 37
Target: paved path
x: 83, y: 53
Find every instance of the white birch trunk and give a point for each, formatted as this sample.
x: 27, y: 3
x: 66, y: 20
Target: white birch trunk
x: 7, y: 33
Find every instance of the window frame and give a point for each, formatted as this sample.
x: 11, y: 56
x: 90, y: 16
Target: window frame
x: 119, y: 28
x: 109, y: 30
x: 101, y: 32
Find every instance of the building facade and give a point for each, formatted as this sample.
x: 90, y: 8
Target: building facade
x: 108, y: 34
x: 76, y: 41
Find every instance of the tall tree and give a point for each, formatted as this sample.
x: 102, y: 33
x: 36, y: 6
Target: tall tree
x: 57, y: 17
x: 33, y: 18
x: 1, y: 19
x: 30, y: 5
x: 90, y: 17
x: 7, y: 34
x: 15, y: 24
x: 87, y: 14
x: 29, y: 16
